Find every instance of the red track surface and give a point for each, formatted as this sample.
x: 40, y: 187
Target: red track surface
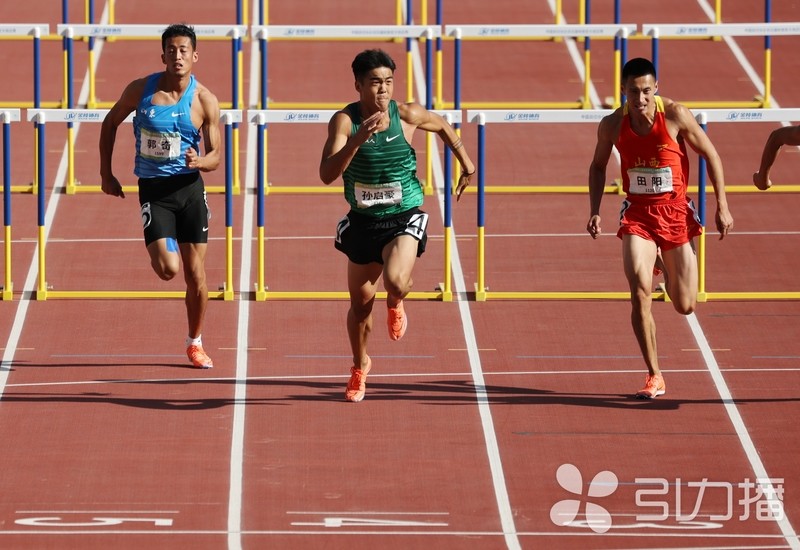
x: 110, y: 439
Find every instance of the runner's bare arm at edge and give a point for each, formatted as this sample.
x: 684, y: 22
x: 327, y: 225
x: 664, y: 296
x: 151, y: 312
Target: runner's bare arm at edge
x: 209, y: 115
x: 108, y: 134
x: 597, y: 169
x: 341, y: 147
x: 699, y: 141
x: 417, y: 116
x: 787, y: 135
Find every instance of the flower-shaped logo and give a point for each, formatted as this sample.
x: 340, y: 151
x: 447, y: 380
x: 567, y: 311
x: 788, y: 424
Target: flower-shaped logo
x: 565, y: 511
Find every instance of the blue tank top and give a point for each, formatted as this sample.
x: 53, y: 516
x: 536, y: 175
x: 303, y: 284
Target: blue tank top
x: 164, y: 133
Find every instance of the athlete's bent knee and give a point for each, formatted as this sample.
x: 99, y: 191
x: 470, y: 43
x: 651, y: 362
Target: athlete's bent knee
x: 164, y: 272
x: 686, y: 307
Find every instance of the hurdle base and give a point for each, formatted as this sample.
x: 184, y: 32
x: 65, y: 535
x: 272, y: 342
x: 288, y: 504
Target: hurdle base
x: 119, y: 294
x: 756, y: 295
x: 566, y: 295
x: 480, y: 294
x: 662, y: 287
x: 339, y: 295
x: 260, y: 294
x: 227, y: 293
x: 29, y: 188
x: 447, y: 295
x: 8, y: 293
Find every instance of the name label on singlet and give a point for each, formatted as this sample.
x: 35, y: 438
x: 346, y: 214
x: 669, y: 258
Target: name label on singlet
x: 650, y: 181
x: 383, y: 194
x: 160, y: 147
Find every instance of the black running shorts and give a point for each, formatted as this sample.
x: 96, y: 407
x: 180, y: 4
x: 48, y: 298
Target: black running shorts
x: 363, y: 238
x: 175, y: 207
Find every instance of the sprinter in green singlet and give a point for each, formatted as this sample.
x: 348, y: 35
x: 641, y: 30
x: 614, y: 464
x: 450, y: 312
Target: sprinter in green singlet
x: 369, y: 145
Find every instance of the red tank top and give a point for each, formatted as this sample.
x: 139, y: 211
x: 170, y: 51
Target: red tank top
x: 655, y: 168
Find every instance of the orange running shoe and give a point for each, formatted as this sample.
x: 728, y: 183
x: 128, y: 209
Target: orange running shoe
x: 357, y: 386
x: 198, y: 357
x: 397, y: 321
x: 653, y: 387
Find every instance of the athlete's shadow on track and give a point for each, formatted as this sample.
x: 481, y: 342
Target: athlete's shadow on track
x: 449, y: 392
x: 284, y: 392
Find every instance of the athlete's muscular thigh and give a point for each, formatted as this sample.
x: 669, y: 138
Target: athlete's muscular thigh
x: 681, y: 267
x: 399, y: 257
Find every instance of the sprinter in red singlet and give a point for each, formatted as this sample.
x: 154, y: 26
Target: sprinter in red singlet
x: 657, y: 220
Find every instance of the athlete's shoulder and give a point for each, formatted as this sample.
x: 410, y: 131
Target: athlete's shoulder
x: 673, y: 108
x: 610, y: 124
x: 342, y: 121
x: 677, y: 112
x: 133, y: 92
x: 412, y: 112
x: 204, y: 93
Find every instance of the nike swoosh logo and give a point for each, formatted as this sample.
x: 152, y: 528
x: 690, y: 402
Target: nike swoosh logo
x: 388, y: 139
x: 176, y: 114
x: 205, y: 229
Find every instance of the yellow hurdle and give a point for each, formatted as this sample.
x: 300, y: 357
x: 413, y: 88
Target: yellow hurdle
x: 40, y: 117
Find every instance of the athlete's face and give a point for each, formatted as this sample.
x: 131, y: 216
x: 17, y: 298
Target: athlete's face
x: 639, y: 92
x: 376, y: 88
x: 179, y: 56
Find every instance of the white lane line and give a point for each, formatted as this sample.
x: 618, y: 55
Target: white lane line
x: 236, y: 480
x: 505, y: 510
x: 741, y: 430
x: 708, y: 355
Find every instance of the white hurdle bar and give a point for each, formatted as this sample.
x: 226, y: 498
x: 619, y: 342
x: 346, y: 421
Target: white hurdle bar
x: 70, y: 31
x: 539, y: 32
x: 266, y: 33
x: 695, y: 31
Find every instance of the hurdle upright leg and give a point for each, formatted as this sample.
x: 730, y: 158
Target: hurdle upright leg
x: 8, y: 286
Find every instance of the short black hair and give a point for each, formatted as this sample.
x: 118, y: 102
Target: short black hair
x: 178, y: 29
x: 636, y: 67
x: 369, y: 60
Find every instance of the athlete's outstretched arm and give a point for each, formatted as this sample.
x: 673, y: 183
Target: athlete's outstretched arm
x: 788, y: 135
x: 416, y: 115
x: 701, y: 144
x: 597, y: 172
x: 124, y: 106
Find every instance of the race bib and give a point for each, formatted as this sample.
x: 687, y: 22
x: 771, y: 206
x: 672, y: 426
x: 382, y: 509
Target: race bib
x: 650, y: 181
x: 160, y: 147
x: 383, y: 194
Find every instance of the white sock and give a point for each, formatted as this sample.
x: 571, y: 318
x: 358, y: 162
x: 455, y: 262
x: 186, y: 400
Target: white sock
x: 194, y: 341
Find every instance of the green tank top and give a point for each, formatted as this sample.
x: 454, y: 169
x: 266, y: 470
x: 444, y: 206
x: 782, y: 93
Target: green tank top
x: 381, y: 179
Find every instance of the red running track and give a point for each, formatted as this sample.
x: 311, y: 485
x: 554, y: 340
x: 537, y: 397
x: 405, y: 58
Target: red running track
x: 110, y: 439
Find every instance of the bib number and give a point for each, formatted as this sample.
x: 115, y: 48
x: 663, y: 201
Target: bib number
x: 160, y: 147
x: 650, y: 181
x: 382, y: 194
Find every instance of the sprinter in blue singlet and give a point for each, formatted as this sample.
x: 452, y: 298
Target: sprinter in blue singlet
x: 172, y: 112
